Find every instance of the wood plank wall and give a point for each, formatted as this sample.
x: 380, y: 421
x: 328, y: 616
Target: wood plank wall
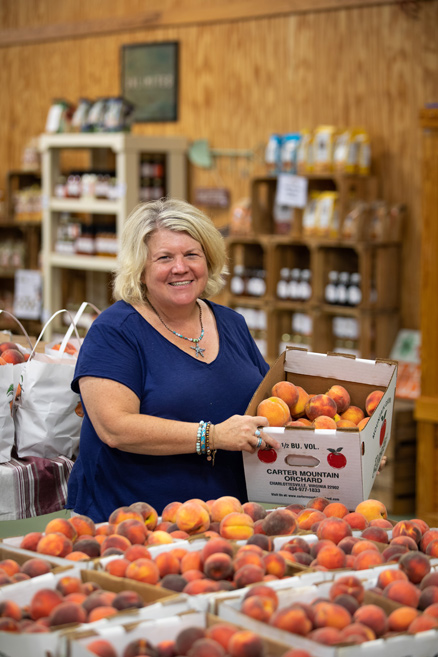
x: 346, y: 62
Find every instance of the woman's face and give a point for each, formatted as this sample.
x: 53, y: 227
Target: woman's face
x: 176, y: 269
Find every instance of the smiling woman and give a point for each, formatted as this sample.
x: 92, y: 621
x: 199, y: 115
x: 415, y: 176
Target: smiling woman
x: 154, y: 373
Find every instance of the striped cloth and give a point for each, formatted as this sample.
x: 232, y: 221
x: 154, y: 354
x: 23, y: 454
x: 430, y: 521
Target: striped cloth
x: 33, y: 486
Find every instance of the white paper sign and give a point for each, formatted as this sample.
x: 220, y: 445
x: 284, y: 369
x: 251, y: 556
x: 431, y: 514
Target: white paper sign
x: 27, y: 294
x: 291, y: 190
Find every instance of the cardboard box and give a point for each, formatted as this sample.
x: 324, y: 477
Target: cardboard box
x: 155, y: 632
x: 341, y: 464
x: 423, y: 644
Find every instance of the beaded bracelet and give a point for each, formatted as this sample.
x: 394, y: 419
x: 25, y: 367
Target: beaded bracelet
x: 203, y: 441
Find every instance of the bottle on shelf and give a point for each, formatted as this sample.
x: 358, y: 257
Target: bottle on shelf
x: 354, y: 292
x: 256, y: 285
x: 283, y: 283
x: 237, y: 282
x: 305, y: 285
x: 342, y: 288
x: 331, y: 289
x: 294, y: 285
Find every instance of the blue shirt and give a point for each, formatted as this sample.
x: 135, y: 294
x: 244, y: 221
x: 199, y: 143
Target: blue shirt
x: 121, y: 345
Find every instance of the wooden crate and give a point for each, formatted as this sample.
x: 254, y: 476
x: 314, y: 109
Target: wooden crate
x: 395, y: 486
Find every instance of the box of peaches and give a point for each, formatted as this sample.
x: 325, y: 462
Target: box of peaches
x: 332, y: 414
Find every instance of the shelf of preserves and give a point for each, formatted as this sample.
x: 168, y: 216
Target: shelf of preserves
x: 128, y: 152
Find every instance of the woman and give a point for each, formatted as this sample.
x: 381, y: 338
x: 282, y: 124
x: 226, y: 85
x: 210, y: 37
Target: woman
x: 164, y: 374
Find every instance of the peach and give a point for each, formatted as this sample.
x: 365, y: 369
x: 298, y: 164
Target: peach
x: 354, y: 414
x: 255, y: 510
x: 101, y: 612
x: 244, y: 643
x: 105, y: 529
x: 330, y: 614
x: 328, y: 636
x: 345, y: 424
x: 148, y: 513
x: 334, y: 529
x: 362, y: 424
x: 10, y: 609
x: 174, y: 582
x: 115, y: 541
x: 206, y: 648
x: 415, y: 564
x: 261, y: 540
x: 377, y: 534
x: 13, y: 356
x: 275, y: 410
x: 404, y: 540
x: 366, y: 559
x: 158, y: 537
x: 405, y: 593
x: 30, y: 541
x: 275, y: 564
x: 192, y: 561
x: 432, y: 549
x: 10, y: 566
x: 222, y: 506
x: 219, y: 566
x: 69, y: 584
x: 393, y: 552
x: 128, y: 600
x: 248, y: 574
x: 422, y: 624
x: 331, y: 557
x: 293, y: 619
x: 89, y: 546
x: 372, y: 509
x: 428, y: 536
x: 431, y: 579
x: 399, y: 619
x: 287, y: 391
x: 356, y: 520
x: 9, y: 625
x: 372, y: 401
x: 98, y: 598
x: 138, y: 647
x: 123, y: 513
x: 134, y: 530
x: 261, y: 590
x: 183, y: 642
x: 143, y: 570
x: 335, y: 510
x: 296, y: 544
x: 355, y: 630
x: 4, y: 346
x: 347, y: 601
x: 66, y: 613
x: 20, y: 577
x: 237, y: 526
x: 347, y: 584
x: 373, y: 616
x: 421, y: 524
x: 407, y: 528
x: 340, y: 396
x: 320, y: 405
x: 428, y: 597
x: 324, y: 422
x: 217, y: 544
x: 61, y: 526
x: 381, y: 522
x: 306, y: 518
x: 83, y: 525
x: 297, y: 411
x: 319, y: 503
x: 279, y: 522
x: 297, y: 423
x: 260, y: 608
x: 169, y: 512
x: 200, y: 586
x: 432, y: 610
x: 192, y: 518
x: 56, y: 544
x: 117, y: 567
x: 346, y: 544
x: 221, y: 633
x: 389, y: 575
x: 43, y: 601
x: 102, y: 648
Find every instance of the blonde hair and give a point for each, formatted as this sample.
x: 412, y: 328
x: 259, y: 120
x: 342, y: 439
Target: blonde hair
x: 169, y: 214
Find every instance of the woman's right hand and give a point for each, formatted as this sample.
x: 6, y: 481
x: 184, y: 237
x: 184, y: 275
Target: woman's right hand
x: 238, y: 433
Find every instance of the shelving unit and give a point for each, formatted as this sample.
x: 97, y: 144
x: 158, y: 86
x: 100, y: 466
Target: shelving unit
x: 19, y: 229
x: 127, y: 150
x: 377, y: 262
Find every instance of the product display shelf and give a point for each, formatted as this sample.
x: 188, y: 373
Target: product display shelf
x: 376, y: 315
x: 127, y: 150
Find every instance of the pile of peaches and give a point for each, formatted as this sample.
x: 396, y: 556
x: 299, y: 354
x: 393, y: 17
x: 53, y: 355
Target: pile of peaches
x: 10, y: 353
x: 291, y: 405
x: 217, y: 640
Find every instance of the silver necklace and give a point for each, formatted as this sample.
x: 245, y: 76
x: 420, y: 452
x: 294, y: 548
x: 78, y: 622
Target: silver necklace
x: 196, y: 341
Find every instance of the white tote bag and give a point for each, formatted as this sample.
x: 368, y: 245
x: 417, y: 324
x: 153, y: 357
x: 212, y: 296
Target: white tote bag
x: 9, y: 381
x: 47, y: 417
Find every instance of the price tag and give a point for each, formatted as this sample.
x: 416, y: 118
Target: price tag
x: 291, y: 190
